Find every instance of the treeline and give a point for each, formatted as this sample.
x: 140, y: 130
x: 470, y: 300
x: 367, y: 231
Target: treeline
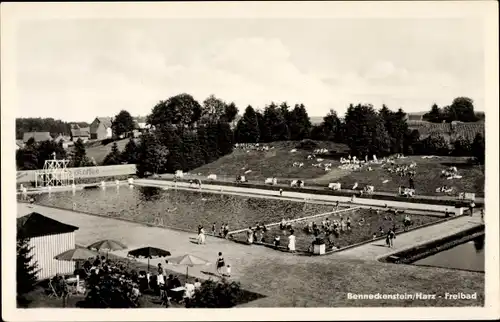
x: 54, y: 127
x: 185, y: 134
x: 461, y: 109
x: 34, y: 154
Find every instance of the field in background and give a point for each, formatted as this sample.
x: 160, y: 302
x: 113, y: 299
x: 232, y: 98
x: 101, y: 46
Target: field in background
x: 278, y: 162
x: 98, y: 151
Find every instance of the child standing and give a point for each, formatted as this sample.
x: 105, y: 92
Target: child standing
x: 220, y: 264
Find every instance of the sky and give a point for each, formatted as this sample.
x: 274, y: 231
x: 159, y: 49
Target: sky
x: 76, y: 70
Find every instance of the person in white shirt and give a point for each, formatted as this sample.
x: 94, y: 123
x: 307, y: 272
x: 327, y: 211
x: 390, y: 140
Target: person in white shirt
x: 291, y: 242
x: 190, y: 288
x: 228, y: 270
x: 197, y: 284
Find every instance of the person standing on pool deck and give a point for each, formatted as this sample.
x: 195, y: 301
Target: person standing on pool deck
x: 281, y: 192
x: 220, y: 264
x: 391, y: 235
x: 291, y: 242
x: 471, y: 208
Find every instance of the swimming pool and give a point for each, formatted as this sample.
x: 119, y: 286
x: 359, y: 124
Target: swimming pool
x: 181, y: 209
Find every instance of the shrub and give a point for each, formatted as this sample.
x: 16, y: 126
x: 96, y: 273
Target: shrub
x: 307, y: 145
x: 109, y: 292
x: 212, y: 294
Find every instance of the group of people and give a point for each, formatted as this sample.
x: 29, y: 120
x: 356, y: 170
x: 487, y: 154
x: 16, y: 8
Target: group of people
x: 256, y: 234
x: 334, y: 227
x: 252, y: 146
x: 223, y: 232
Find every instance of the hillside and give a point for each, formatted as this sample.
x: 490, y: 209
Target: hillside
x: 279, y: 162
x: 99, y: 151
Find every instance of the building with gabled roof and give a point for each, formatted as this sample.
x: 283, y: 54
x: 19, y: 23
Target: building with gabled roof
x: 100, y: 128
x: 48, y: 238
x: 80, y: 133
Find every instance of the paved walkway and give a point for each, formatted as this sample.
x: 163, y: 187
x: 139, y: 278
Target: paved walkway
x: 378, y: 249
x: 169, y: 176
x: 299, y: 195
x: 243, y: 258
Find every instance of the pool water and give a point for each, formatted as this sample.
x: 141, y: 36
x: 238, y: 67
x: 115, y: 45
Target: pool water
x: 467, y: 256
x: 176, y: 208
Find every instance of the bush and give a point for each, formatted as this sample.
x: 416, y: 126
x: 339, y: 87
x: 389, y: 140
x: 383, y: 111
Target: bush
x: 108, y: 291
x: 213, y: 294
x: 307, y: 145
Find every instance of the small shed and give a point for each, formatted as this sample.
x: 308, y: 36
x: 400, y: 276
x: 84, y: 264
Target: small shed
x: 49, y: 238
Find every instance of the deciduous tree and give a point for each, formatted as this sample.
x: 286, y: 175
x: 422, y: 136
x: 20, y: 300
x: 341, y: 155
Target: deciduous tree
x: 122, y: 123
x: 182, y: 110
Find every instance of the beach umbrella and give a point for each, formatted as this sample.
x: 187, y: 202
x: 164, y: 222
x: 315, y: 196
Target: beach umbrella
x: 76, y: 254
x: 107, y: 245
x: 149, y: 253
x: 188, y: 260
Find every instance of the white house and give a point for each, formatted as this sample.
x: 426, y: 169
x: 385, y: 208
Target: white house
x: 49, y: 238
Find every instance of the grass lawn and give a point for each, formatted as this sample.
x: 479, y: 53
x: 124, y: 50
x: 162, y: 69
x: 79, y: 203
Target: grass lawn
x: 358, y: 234
x: 99, y: 151
x: 279, y: 161
x: 326, y: 284
x: 276, y: 162
x: 427, y: 179
x: 180, y: 208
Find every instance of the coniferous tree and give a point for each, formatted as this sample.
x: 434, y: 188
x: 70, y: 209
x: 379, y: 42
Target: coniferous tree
x: 230, y: 113
x: 462, y: 147
x: 331, y: 128
x: 27, y: 158
x: 79, y: 155
x: 225, y: 139
x: 26, y: 270
x: 152, y: 155
x: 276, y: 127
x: 130, y: 153
x: 247, y: 129
x: 435, y: 115
x: 299, y: 123
x: 365, y: 131
x: 261, y: 122
x: 192, y: 156
x: 478, y: 148
x: 113, y: 157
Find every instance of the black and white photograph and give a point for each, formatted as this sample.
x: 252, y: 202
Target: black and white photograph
x: 228, y: 157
